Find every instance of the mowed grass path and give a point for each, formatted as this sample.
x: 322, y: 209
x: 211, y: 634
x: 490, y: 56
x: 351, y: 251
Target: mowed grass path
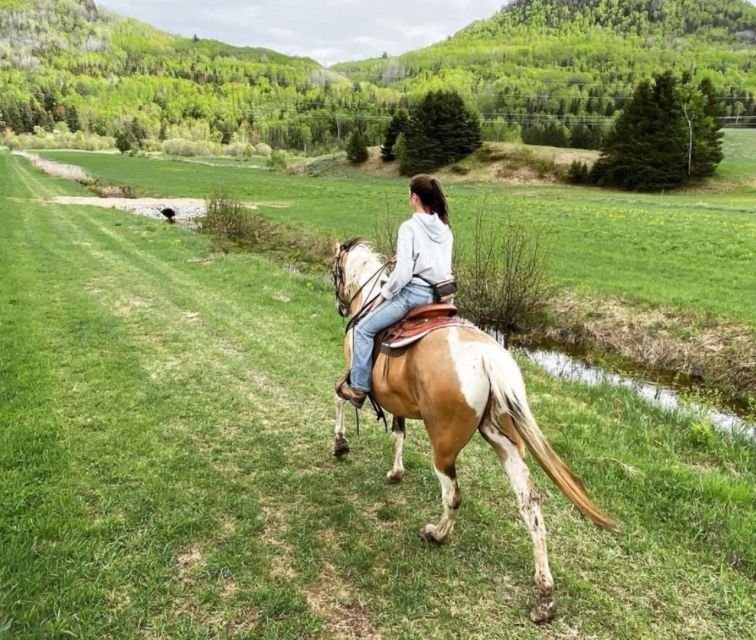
x: 688, y: 252
x: 166, y: 417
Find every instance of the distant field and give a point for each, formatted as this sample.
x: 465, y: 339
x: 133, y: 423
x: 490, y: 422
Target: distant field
x: 688, y: 251
x: 166, y: 417
x: 740, y: 156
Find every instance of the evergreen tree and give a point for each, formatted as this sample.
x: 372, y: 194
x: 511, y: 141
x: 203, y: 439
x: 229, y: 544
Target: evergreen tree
x: 667, y: 134
x: 440, y: 131
x: 122, y: 142
x: 397, y: 126
x: 356, y: 149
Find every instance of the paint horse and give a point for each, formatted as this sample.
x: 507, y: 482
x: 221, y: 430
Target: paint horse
x: 458, y: 380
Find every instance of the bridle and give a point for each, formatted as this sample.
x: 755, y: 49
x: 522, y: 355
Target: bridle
x: 339, y: 281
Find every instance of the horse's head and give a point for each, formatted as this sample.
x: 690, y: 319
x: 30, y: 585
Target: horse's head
x: 339, y: 274
x: 357, y: 274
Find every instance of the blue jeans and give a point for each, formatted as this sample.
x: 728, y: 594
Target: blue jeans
x: 413, y: 295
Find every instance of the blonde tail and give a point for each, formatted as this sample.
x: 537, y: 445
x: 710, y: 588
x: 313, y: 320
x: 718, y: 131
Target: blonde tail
x: 509, y: 398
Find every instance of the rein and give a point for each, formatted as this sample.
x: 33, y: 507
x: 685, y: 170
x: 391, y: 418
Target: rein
x: 338, y: 281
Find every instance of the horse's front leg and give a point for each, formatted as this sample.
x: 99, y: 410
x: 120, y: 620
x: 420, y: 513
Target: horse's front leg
x: 399, y: 432
x: 340, y: 444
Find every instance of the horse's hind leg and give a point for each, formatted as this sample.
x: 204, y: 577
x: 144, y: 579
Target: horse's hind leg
x: 443, y: 465
x: 399, y: 432
x: 530, y: 508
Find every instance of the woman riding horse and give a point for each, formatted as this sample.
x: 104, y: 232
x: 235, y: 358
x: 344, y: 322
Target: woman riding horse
x: 457, y: 380
x: 423, y: 258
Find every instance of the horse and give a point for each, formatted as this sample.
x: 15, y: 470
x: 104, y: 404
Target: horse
x: 457, y: 380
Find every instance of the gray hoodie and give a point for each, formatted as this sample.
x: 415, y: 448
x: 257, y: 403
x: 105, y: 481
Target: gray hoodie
x: 424, y: 247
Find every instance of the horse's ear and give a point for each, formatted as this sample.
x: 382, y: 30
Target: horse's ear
x: 335, y: 248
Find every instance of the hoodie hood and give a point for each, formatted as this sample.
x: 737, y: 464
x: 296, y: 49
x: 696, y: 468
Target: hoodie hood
x: 436, y: 230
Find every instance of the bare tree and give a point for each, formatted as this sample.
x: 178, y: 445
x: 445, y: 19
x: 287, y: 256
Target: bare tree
x: 385, y: 232
x: 501, y: 273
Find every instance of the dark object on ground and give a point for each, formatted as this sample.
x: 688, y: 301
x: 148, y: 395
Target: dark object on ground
x: 170, y: 214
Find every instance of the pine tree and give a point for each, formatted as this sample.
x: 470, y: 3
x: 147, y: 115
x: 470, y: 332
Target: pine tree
x: 397, y: 126
x: 356, y: 149
x: 440, y: 131
x: 667, y: 134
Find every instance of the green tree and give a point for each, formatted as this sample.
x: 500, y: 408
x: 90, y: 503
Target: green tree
x: 396, y: 127
x: 440, y: 131
x: 122, y: 142
x: 356, y: 149
x: 667, y: 134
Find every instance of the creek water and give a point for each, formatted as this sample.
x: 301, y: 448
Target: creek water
x: 573, y: 369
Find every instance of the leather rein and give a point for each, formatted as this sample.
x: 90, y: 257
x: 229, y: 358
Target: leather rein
x: 339, y: 284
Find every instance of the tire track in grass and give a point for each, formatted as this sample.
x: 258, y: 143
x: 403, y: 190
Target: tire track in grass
x: 101, y: 261
x: 116, y: 302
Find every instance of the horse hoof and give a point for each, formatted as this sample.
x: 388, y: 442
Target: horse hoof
x: 340, y: 447
x: 545, y: 610
x: 394, y: 477
x: 428, y: 533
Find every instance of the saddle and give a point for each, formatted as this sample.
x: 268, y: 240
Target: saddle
x: 418, y: 322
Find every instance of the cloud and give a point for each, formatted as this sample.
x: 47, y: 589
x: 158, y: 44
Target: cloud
x: 327, y: 30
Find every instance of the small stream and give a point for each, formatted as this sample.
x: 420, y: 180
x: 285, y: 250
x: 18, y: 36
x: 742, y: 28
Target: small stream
x: 573, y: 369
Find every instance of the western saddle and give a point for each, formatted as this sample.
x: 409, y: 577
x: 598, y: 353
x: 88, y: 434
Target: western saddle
x: 418, y: 322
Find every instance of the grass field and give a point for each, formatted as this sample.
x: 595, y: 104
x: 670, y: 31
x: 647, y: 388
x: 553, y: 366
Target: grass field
x: 688, y: 251
x: 166, y: 417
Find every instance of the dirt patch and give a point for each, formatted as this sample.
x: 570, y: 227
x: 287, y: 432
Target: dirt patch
x: 57, y: 169
x: 188, y: 561
x: 494, y: 161
x: 185, y: 210
x: 345, y: 617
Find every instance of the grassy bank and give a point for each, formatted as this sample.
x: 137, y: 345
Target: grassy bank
x: 166, y: 413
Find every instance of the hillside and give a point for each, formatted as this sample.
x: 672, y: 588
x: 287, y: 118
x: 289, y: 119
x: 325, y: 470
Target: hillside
x: 66, y: 60
x: 548, y: 71
x: 537, y: 61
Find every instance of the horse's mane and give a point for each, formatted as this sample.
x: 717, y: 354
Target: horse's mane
x: 362, y: 262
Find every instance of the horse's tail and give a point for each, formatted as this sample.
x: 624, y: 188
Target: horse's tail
x: 508, y: 391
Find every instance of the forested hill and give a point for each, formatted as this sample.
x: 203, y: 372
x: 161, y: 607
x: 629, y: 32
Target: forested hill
x: 537, y: 61
x: 728, y: 20
x: 67, y: 60
x: 553, y: 71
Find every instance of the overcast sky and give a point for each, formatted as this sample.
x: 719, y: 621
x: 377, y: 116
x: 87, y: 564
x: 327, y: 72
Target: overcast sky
x: 329, y: 31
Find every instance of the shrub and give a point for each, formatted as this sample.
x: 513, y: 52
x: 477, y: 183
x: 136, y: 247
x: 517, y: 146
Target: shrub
x: 225, y: 215
x: 263, y: 149
x: 276, y: 160
x: 579, y: 173
x: 239, y: 150
x: 188, y: 148
x: 58, y: 140
x: 502, y: 277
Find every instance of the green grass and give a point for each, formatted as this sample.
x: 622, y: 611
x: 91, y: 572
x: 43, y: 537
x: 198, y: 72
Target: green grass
x: 739, y: 146
x: 687, y: 251
x: 166, y: 417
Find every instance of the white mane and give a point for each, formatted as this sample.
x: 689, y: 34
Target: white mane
x: 362, y: 263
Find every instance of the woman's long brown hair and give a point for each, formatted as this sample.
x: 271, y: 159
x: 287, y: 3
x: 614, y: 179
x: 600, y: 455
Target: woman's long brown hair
x: 428, y: 189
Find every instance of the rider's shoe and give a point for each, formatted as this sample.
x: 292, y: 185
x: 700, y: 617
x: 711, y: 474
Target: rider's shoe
x: 345, y: 391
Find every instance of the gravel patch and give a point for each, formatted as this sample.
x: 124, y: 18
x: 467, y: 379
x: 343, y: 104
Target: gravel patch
x: 185, y: 210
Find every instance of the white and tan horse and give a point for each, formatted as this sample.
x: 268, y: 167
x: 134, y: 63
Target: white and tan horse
x: 459, y: 380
